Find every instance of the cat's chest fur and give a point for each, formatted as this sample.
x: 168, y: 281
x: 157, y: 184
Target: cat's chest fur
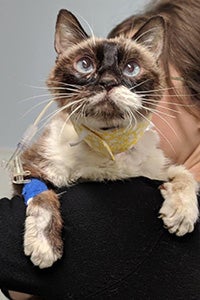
x: 62, y: 163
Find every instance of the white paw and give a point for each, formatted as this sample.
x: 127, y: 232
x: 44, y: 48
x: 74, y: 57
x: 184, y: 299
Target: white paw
x: 179, y: 211
x: 36, y: 244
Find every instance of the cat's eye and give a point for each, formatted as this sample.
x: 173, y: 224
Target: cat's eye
x: 84, y: 65
x: 131, y: 69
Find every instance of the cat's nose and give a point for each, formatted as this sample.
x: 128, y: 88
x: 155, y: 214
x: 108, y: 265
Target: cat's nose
x: 108, y: 81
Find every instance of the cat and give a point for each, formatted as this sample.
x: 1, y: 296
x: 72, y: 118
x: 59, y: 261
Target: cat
x: 104, y: 89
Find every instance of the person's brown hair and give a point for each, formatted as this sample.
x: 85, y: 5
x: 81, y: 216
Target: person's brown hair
x: 182, y: 39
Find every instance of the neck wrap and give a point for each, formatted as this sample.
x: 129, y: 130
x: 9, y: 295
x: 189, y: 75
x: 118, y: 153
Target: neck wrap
x: 112, y: 141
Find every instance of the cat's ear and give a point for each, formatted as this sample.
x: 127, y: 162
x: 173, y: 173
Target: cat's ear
x: 68, y: 31
x: 151, y: 35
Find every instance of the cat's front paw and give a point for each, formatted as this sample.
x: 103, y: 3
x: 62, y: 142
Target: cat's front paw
x: 37, y: 245
x: 42, y: 238
x: 179, y: 211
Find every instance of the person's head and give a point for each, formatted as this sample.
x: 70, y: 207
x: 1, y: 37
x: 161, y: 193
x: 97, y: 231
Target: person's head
x: 182, y: 40
x: 177, y: 118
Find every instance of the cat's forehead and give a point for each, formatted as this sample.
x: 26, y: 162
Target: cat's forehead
x: 109, y: 48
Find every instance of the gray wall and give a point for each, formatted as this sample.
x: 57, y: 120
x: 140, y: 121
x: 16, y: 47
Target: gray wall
x: 27, y: 52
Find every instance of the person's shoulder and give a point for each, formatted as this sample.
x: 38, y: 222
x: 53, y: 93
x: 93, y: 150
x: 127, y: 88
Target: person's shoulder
x: 111, y: 190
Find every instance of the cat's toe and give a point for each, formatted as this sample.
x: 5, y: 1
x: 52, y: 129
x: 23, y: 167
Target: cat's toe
x: 179, y: 211
x: 43, y: 251
x: 178, y: 217
x: 43, y: 255
x: 180, y: 224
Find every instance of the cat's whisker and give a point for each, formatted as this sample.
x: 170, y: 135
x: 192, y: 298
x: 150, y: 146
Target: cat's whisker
x: 166, y: 109
x: 159, y: 114
x: 45, y: 101
x: 158, y: 130
x: 51, y: 88
x: 48, y: 118
x: 64, y: 83
x: 60, y: 83
x: 143, y: 117
x: 73, y: 107
x: 90, y: 29
x: 84, y: 111
x: 130, y: 104
x: 68, y: 118
x: 127, y: 104
x: 168, y: 124
x: 130, y: 34
x: 34, y: 97
x: 129, y: 116
x: 35, y: 106
x: 60, y: 109
x: 131, y: 119
x: 72, y: 89
x: 67, y: 95
x: 165, y: 95
x: 176, y: 94
x: 67, y: 88
x: 137, y: 85
x: 161, y: 106
x: 164, y: 137
x: 64, y: 95
x: 76, y: 28
x: 169, y: 102
x: 154, y: 110
x: 61, y: 89
x: 155, y: 90
x: 145, y: 33
x: 81, y: 114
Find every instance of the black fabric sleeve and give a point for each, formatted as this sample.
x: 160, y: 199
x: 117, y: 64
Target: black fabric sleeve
x: 115, y: 247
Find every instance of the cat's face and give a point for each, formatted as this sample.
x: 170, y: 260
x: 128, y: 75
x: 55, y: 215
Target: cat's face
x: 106, y: 83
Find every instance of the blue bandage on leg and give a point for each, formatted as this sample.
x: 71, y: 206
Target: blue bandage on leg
x: 32, y: 189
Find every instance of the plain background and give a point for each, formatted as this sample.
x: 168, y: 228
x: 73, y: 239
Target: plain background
x: 27, y: 52
x: 27, y: 55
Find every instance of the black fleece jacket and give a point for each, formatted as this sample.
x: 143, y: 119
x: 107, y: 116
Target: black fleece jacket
x: 115, y: 247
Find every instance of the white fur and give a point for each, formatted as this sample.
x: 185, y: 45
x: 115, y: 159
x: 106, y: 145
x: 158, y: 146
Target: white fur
x: 180, y: 208
x: 66, y: 164
x: 36, y: 244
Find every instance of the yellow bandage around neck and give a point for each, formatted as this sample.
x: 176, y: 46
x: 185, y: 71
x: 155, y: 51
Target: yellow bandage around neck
x: 112, y: 141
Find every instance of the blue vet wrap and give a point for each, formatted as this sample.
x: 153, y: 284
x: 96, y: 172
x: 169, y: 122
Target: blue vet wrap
x: 32, y: 189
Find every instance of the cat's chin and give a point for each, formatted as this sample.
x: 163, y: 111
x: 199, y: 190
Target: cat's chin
x: 109, y: 128
x: 102, y: 123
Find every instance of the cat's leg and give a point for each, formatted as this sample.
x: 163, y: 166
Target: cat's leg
x: 43, y: 226
x: 179, y: 211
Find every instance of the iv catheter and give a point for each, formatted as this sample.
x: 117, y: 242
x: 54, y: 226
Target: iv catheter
x: 14, y: 165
